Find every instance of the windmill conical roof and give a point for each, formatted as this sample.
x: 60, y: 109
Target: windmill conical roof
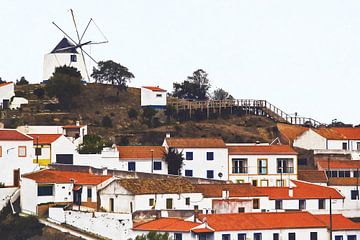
x: 64, y: 43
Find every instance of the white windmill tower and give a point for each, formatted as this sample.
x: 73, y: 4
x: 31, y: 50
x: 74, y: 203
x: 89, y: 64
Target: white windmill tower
x: 70, y: 52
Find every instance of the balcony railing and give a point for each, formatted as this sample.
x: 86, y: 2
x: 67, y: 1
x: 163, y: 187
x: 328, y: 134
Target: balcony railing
x: 285, y: 170
x: 239, y: 170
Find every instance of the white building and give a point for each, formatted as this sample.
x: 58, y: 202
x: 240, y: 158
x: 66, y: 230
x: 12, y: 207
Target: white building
x: 262, y: 165
x: 48, y: 187
x: 203, y: 157
x: 153, y: 97
x: 16, y: 155
x: 64, y: 53
x: 6, y: 93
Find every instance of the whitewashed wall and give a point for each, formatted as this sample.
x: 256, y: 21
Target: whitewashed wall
x: 310, y: 140
x: 28, y: 196
x: 346, y: 233
x: 40, y: 129
x: 149, y: 98
x: 62, y: 146
x: 6, y: 92
x: 351, y: 208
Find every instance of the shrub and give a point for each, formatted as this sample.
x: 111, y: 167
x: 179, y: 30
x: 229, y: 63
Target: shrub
x: 132, y: 113
x: 39, y: 92
x: 106, y: 122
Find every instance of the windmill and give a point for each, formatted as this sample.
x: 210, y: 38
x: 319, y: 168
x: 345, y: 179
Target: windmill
x: 70, y: 46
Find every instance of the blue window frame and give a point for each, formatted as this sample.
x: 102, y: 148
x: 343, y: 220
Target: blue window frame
x: 157, y: 165
x: 257, y: 236
x: 177, y: 236
x: 242, y: 236
x: 131, y: 166
x: 210, y: 156
x: 225, y: 237
x: 188, y: 173
x: 210, y: 173
x: 45, y: 190
x: 189, y: 156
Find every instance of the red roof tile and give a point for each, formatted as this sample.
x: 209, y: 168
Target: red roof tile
x: 195, y: 142
x: 155, y: 89
x: 261, y: 150
x: 202, y: 230
x: 13, y: 135
x: 338, y: 164
x: 339, y: 133
x: 261, y: 221
x: 349, y: 181
x: 291, y: 132
x: 5, y: 84
x: 45, y: 138
x: 314, y: 176
x: 167, y: 224
x: 339, y: 222
x: 57, y: 176
x: 140, y: 152
x: 235, y: 190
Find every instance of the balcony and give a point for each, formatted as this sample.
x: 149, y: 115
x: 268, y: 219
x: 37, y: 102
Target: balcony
x: 240, y: 170
x: 285, y: 170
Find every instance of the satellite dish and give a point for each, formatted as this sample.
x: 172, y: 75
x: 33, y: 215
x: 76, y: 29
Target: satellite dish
x: 220, y: 175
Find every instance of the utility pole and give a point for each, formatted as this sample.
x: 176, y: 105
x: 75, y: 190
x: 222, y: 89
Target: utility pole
x: 330, y: 218
x: 37, y: 149
x: 328, y: 171
x: 357, y: 183
x: 152, y: 160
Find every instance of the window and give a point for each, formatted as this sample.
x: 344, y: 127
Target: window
x: 241, y: 209
x: 151, y: 202
x: 210, y: 173
x: 0, y: 151
x: 321, y: 203
x: 38, y: 151
x: 157, y: 165
x: 358, y: 145
x: 356, y: 174
x: 280, y: 183
x: 262, y: 166
x: 159, y: 95
x: 344, y: 146
x: 169, y: 203
x: 239, y: 165
x: 254, y: 183
x: 131, y: 166
x: 302, y: 161
x: 89, y: 192
x: 187, y: 201
x: 210, y: 156
x: 22, y: 151
x: 257, y: 236
x: 285, y: 165
x: 111, y: 205
x: 334, y: 173
x: 256, y: 203
x: 339, y: 237
x: 302, y: 204
x: 189, y: 156
x: 264, y: 183
x: 73, y: 58
x: 189, y: 173
x: 225, y: 237
x: 278, y: 204
x: 242, y: 236
x: 313, y: 236
x: 45, y: 190
x: 354, y: 194
x: 275, y: 236
x: 292, y: 236
x: 351, y: 237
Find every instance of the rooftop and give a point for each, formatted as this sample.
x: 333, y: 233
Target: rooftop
x: 167, y: 224
x: 154, y: 89
x: 339, y: 164
x: 348, y: 181
x: 13, y: 135
x: 261, y: 149
x: 64, y: 46
x: 141, y: 152
x: 314, y: 176
x: 5, y: 84
x: 339, y: 133
x: 291, y: 132
x: 339, y: 222
x: 45, y: 138
x: 235, y: 190
x: 195, y: 142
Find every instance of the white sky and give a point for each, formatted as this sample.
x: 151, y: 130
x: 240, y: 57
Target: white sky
x: 302, y: 56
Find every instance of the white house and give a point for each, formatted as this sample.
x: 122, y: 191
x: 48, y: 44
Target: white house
x: 6, y: 93
x: 203, y: 157
x: 53, y: 148
x: 262, y: 165
x: 66, y: 54
x: 16, y: 155
x: 153, y: 97
x: 46, y: 187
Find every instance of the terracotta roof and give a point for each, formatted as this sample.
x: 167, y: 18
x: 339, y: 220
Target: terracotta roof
x: 348, y: 181
x: 339, y: 164
x: 167, y: 224
x: 339, y: 222
x: 339, y: 133
x: 195, y: 142
x: 73, y: 126
x: 13, y: 135
x: 157, y: 185
x: 45, y: 138
x: 291, y: 132
x: 314, y: 176
x: 261, y: 221
x: 5, y: 84
x: 202, y: 230
x: 155, y: 89
x: 235, y: 190
x: 261, y: 150
x: 302, y: 190
x: 140, y: 152
x: 57, y: 176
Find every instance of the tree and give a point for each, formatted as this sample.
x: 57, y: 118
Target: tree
x: 64, y: 84
x: 132, y: 113
x: 221, y: 94
x: 92, y: 144
x: 2, y: 81
x: 112, y: 73
x: 22, y: 81
x: 106, y: 122
x: 169, y: 112
x: 195, y: 87
x: 148, y: 115
x: 39, y: 92
x: 174, y: 160
x: 153, y: 236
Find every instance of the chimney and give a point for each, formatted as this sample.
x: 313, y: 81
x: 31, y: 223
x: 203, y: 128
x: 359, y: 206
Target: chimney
x: 167, y: 135
x: 291, y: 192
x: 196, y: 213
x: 77, y: 123
x: 104, y: 171
x: 225, y: 194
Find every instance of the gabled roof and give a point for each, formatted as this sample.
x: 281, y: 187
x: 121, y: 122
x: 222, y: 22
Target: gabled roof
x: 141, y: 152
x: 13, y: 135
x: 339, y: 164
x: 261, y: 221
x: 195, y: 142
x: 261, y: 150
x: 235, y: 190
x: 64, y: 43
x: 45, y: 138
x: 346, y: 181
x: 314, y: 176
x: 167, y: 224
x: 5, y: 84
x: 57, y: 176
x: 154, y: 89
x: 302, y: 190
x: 339, y: 133
x: 291, y: 132
x: 339, y: 222
x: 140, y: 186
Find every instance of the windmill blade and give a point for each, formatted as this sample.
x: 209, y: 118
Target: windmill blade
x: 87, y: 26
x: 74, y: 21
x: 82, y: 50
x: 67, y: 35
x: 83, y: 57
x: 94, y: 43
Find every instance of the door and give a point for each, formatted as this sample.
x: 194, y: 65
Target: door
x: 64, y: 158
x: 111, y: 205
x: 6, y: 103
x: 16, y: 177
